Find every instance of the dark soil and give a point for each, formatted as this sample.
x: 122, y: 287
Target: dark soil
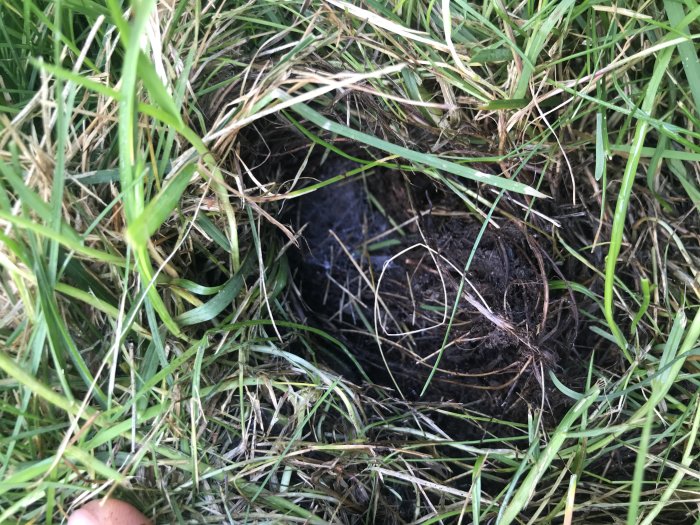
x: 389, y: 293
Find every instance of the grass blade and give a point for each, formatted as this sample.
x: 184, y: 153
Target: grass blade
x: 415, y: 156
x: 620, y: 216
x: 527, y: 488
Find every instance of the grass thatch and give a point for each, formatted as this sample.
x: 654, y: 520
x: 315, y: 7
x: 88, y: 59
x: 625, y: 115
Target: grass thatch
x: 150, y: 349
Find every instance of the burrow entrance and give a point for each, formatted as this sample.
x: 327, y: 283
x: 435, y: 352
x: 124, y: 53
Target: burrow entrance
x: 400, y: 268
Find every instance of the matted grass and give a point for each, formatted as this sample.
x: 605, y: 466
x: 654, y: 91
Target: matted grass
x: 150, y: 345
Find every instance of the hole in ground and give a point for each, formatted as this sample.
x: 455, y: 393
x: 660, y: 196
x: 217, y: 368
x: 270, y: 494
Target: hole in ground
x: 382, y: 266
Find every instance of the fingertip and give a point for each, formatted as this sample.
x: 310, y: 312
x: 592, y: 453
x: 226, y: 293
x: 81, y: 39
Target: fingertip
x: 108, y: 512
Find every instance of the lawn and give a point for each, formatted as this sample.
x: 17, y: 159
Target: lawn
x: 355, y: 262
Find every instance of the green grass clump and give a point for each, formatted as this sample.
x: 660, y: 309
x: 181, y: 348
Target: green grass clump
x: 135, y: 146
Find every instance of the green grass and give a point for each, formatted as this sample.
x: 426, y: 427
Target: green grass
x: 125, y: 170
